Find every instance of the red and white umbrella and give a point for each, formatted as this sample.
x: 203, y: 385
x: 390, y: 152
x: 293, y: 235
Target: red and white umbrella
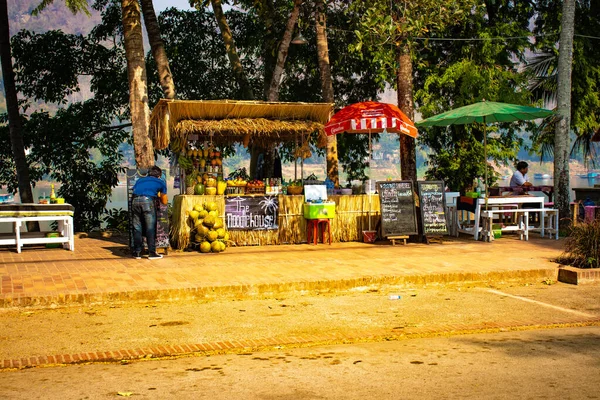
x: 370, y: 117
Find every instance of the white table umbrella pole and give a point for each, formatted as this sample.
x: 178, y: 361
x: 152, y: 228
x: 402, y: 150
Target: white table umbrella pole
x: 369, y: 181
x: 485, y: 162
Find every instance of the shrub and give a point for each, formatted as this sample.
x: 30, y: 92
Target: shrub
x: 582, y: 249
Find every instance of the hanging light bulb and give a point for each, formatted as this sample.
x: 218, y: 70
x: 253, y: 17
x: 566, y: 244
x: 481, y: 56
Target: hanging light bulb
x: 299, y: 39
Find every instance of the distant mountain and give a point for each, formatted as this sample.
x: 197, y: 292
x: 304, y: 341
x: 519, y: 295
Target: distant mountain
x: 55, y: 16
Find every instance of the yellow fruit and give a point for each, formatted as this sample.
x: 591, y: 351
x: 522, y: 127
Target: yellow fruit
x: 190, y: 152
x: 198, y: 207
x: 194, y: 214
x: 202, y: 163
x: 223, y: 246
x: 212, y: 206
x: 215, y: 247
x: 213, y: 213
x: 198, y: 223
x: 218, y: 223
x: 211, y: 191
x: 202, y: 230
x: 209, y: 221
x: 205, y: 247
x: 221, y: 233
x: 199, y: 238
x: 226, y: 237
x: 203, y: 214
x: 212, y: 236
x: 206, y: 152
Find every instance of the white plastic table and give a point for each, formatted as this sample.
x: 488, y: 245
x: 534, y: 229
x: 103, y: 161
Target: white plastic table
x: 495, y: 202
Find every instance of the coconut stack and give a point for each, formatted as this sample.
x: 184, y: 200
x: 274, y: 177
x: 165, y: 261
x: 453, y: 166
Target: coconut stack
x: 209, y: 231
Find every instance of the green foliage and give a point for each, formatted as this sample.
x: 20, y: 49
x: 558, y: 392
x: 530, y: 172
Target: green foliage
x: 452, y: 74
x: 116, y: 220
x: 585, y: 85
x: 582, y: 248
x: 60, y: 145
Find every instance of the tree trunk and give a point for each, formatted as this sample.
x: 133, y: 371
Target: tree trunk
x: 14, y: 118
x: 158, y: 50
x: 408, y: 155
x: 234, y: 59
x: 273, y: 92
x: 326, y: 87
x: 561, y: 136
x: 138, y: 90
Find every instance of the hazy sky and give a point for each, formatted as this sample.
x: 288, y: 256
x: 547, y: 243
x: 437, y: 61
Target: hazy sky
x: 160, y: 5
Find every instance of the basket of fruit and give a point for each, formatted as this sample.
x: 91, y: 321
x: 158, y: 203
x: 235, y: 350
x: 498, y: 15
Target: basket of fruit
x: 255, y: 187
x: 295, y: 188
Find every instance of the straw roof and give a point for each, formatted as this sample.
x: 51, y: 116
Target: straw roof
x: 229, y: 121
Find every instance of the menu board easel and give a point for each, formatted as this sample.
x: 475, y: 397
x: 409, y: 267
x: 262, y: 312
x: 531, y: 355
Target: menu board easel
x: 162, y: 216
x: 432, y: 203
x: 398, y: 213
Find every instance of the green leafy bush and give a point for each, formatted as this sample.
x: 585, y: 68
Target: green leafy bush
x: 116, y: 219
x: 582, y: 249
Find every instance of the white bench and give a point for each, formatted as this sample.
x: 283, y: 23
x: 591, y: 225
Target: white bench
x: 18, y: 238
x: 548, y: 222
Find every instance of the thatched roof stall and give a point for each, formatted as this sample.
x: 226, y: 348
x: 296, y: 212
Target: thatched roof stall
x: 231, y: 121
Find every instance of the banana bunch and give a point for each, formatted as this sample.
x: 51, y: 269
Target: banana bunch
x: 177, y: 145
x: 184, y: 162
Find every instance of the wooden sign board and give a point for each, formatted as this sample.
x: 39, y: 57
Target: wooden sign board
x: 251, y: 213
x: 398, y: 213
x: 432, y: 202
x: 162, y: 216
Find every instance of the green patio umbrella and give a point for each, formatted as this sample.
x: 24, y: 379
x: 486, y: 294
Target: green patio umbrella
x: 485, y: 112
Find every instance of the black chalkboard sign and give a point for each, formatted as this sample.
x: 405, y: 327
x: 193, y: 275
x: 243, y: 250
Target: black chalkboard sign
x: 398, y: 214
x: 162, y: 216
x: 251, y: 213
x: 432, y: 202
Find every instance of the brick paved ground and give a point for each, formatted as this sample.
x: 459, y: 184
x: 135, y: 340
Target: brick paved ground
x: 101, y: 269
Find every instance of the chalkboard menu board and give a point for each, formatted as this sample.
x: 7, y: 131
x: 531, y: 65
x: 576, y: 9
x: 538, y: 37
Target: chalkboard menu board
x: 432, y: 202
x: 398, y: 215
x: 251, y: 213
x: 162, y: 216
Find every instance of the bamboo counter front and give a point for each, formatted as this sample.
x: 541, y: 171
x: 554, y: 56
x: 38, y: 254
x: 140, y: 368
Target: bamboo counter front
x: 351, y: 218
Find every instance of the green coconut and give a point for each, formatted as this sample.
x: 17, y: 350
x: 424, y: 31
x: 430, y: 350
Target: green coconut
x: 218, y: 223
x: 209, y: 221
x: 212, y: 236
x: 205, y: 247
x: 212, y: 206
x: 202, y: 230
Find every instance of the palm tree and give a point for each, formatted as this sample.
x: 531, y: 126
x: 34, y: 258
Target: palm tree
x: 238, y: 70
x: 282, y: 52
x: 158, y: 49
x: 14, y: 118
x: 326, y: 86
x: 138, y: 89
x: 563, y: 111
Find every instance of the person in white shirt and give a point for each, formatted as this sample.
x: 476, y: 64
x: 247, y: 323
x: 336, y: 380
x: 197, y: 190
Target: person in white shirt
x: 519, y: 177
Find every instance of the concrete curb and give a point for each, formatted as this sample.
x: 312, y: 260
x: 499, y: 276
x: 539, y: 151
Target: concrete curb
x: 268, y: 290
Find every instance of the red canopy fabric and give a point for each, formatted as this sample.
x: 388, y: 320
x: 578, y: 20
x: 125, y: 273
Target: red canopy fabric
x: 370, y: 117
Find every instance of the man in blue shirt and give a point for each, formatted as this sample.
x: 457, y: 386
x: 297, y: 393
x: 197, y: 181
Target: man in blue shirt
x: 143, y: 208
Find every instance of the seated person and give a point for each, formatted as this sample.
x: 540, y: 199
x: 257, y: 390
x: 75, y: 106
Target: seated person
x: 519, y: 178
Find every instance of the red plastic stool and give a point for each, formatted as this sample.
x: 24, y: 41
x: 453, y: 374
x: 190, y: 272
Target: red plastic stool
x: 312, y: 230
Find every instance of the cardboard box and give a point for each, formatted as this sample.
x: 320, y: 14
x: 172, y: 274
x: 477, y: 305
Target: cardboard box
x: 319, y: 210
